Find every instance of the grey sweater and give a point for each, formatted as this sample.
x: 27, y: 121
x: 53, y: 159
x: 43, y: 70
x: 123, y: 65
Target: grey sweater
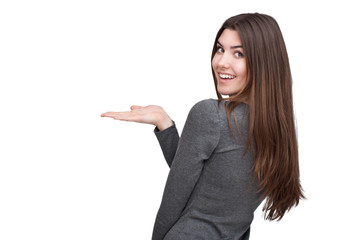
x: 210, y: 193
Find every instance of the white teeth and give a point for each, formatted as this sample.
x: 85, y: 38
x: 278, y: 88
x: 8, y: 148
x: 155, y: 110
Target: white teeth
x: 226, y: 76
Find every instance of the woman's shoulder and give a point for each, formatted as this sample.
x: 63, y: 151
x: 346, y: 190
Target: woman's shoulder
x: 218, y: 106
x: 205, y: 108
x: 203, y: 117
x: 206, y: 104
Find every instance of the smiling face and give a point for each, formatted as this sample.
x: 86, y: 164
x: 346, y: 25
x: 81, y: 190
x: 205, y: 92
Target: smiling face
x: 229, y: 63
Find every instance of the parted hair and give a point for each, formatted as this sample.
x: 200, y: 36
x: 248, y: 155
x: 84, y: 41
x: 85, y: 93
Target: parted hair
x: 268, y: 94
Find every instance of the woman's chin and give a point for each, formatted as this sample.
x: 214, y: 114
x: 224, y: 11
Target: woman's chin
x: 225, y: 93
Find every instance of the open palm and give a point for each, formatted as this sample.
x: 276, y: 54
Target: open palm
x: 151, y: 114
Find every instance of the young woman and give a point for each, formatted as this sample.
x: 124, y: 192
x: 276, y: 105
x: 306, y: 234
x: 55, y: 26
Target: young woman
x: 236, y: 151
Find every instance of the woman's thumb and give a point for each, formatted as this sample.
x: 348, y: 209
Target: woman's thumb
x: 133, y: 107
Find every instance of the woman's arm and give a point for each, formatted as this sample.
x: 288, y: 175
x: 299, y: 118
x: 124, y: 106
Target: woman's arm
x: 168, y: 140
x: 199, y: 138
x: 165, y: 131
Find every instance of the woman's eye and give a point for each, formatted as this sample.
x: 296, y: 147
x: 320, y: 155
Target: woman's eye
x: 220, y: 49
x: 238, y: 54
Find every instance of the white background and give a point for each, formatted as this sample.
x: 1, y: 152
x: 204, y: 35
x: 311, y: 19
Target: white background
x: 67, y: 173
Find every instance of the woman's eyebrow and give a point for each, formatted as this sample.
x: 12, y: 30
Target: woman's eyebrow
x: 232, y: 47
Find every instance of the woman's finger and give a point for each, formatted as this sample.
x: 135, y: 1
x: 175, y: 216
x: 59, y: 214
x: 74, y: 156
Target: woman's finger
x: 108, y: 114
x: 114, y: 114
x: 133, y: 107
x: 123, y: 116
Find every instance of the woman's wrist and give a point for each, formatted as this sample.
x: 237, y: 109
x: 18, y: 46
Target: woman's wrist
x: 165, y: 122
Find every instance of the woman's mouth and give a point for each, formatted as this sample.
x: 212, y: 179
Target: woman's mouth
x: 225, y: 77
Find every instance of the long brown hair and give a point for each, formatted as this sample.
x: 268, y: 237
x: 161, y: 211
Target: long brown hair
x: 268, y: 93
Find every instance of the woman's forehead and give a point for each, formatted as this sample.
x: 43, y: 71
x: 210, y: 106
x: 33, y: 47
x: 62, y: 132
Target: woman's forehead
x: 230, y: 37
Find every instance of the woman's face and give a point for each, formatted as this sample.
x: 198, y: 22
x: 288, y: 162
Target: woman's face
x: 229, y: 63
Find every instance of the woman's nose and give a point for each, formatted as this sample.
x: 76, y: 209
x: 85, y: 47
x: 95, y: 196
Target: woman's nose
x: 224, y: 61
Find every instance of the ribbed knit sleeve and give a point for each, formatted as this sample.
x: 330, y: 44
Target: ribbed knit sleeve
x: 199, y: 139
